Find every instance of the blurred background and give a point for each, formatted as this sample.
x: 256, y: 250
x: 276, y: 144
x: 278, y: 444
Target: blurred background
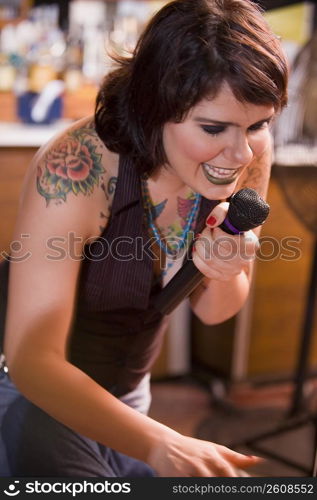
x: 53, y: 55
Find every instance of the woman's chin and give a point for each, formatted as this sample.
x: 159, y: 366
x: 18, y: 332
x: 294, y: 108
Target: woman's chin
x: 219, y: 191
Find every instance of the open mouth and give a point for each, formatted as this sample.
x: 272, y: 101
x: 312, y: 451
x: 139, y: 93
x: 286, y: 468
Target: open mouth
x: 218, y: 175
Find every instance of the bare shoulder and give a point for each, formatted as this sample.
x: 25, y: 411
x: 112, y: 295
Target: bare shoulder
x: 257, y: 177
x: 257, y: 174
x: 75, y: 171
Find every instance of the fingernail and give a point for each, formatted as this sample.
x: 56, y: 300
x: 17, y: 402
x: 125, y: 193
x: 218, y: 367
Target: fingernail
x: 211, y: 221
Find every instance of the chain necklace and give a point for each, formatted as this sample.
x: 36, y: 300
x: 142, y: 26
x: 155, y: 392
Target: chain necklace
x: 149, y: 209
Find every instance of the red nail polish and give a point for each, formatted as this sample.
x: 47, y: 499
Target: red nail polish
x: 211, y: 221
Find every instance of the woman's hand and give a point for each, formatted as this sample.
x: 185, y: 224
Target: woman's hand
x: 182, y: 456
x: 221, y: 256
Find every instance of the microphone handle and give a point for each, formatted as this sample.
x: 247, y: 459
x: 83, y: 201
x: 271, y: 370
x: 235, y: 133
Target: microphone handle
x: 181, y: 285
x: 173, y: 294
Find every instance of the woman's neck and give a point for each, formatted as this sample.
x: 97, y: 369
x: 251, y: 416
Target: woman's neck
x: 166, y: 184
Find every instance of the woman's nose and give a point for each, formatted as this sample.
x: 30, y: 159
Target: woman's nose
x: 239, y: 152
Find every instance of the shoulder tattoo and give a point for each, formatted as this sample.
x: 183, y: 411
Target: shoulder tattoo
x: 109, y: 191
x: 254, y: 178
x: 72, y: 165
x: 257, y: 175
x: 110, y: 188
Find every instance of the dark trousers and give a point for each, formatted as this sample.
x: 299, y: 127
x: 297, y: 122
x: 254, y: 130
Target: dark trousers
x: 33, y: 444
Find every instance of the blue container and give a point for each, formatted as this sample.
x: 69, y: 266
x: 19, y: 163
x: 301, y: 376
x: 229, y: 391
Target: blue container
x: 25, y: 103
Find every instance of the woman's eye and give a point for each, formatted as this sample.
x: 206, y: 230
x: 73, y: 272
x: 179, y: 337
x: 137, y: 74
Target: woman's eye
x: 212, y: 130
x: 258, y: 126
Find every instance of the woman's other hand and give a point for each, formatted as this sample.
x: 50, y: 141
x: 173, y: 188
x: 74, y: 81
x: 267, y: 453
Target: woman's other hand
x: 182, y: 456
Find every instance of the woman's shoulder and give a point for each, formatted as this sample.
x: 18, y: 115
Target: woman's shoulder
x: 79, y: 140
x: 75, y: 171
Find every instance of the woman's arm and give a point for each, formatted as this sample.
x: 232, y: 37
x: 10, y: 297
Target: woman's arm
x: 228, y: 273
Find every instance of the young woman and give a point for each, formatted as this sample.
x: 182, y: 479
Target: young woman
x: 105, y: 216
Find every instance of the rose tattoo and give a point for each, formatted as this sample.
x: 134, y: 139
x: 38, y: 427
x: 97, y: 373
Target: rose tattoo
x: 72, y: 165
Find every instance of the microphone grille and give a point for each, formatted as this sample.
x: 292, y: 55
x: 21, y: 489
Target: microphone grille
x: 247, y: 209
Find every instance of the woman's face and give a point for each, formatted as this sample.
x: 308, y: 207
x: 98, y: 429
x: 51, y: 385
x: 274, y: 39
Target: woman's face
x: 216, y: 142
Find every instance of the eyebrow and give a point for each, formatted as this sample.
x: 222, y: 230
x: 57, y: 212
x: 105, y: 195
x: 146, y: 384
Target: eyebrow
x: 218, y: 122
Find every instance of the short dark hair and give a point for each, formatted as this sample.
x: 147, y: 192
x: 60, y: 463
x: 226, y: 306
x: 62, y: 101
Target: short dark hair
x: 186, y: 52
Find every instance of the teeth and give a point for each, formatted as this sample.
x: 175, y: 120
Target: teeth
x: 221, y: 173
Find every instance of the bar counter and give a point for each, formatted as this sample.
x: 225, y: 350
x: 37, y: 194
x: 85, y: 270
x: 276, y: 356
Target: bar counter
x: 21, y: 135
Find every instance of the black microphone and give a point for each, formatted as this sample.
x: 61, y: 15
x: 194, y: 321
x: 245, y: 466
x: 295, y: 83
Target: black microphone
x: 247, y: 210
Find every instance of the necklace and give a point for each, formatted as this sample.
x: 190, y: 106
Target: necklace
x: 182, y: 240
